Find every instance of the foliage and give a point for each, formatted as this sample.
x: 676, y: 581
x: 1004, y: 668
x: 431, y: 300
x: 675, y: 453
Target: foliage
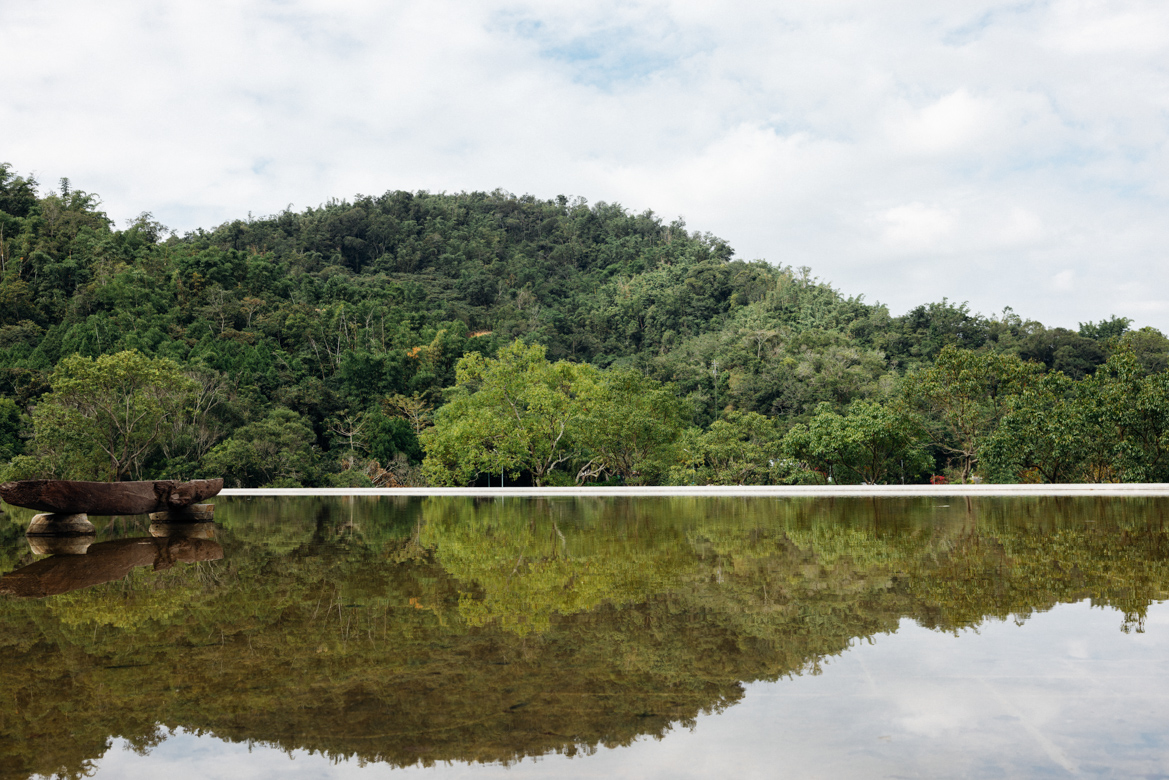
x: 361, y: 310
x: 276, y: 451
x: 12, y: 424
x: 871, y: 443
x: 962, y: 396
x: 1105, y: 330
x: 516, y: 413
x: 415, y: 409
x: 740, y: 448
x: 1062, y: 350
x: 1046, y: 430
x: 631, y: 428
x: 105, y: 416
x: 1131, y: 410
x: 1111, y: 427
x: 1150, y: 347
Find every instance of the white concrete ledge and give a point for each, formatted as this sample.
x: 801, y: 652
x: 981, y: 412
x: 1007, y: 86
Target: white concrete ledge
x: 783, y: 491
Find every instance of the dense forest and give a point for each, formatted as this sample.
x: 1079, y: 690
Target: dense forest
x: 418, y: 338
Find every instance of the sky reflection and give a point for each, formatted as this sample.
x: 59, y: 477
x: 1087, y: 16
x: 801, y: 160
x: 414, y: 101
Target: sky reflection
x: 1065, y: 694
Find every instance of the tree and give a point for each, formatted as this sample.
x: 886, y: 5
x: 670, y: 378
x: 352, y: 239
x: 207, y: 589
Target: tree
x: 1063, y: 350
x: 631, y: 427
x: 392, y: 437
x: 350, y: 427
x: 416, y: 409
x: 739, y: 449
x: 1150, y: 347
x: 18, y: 195
x: 962, y: 397
x: 1131, y: 410
x: 871, y: 443
x: 204, y: 421
x: 12, y: 424
x: 1046, y: 428
x: 106, y: 416
x: 517, y: 412
x: 274, y: 452
x: 1104, y: 330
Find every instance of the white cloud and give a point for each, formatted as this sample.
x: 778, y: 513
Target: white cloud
x: 916, y: 226
x: 1064, y: 281
x: 949, y: 124
x: 1016, y: 141
x: 1091, y: 27
x: 1021, y: 226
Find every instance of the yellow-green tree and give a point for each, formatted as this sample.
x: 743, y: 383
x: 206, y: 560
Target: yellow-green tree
x: 632, y: 428
x: 106, y: 416
x: 741, y: 448
x: 517, y: 412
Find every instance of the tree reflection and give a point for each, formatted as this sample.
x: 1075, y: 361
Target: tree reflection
x: 413, y: 631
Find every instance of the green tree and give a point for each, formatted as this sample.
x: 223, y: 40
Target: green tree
x: 277, y: 451
x: 12, y: 423
x: 415, y: 409
x: 740, y: 448
x: 1131, y: 410
x: 106, y: 416
x: 1105, y: 330
x: 18, y: 195
x: 871, y: 443
x: 517, y: 412
x: 1063, y: 350
x: 631, y: 428
x: 1047, y: 429
x: 1150, y: 347
x: 962, y: 397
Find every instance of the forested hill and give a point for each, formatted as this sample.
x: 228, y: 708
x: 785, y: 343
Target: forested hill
x: 309, y: 332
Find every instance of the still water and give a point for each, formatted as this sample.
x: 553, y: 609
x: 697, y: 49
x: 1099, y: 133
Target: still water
x: 651, y: 637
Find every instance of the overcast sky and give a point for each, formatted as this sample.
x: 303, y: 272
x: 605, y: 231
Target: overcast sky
x: 1001, y: 153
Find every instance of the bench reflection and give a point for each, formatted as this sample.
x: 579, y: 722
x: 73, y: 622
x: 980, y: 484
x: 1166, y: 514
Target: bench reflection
x: 77, y: 563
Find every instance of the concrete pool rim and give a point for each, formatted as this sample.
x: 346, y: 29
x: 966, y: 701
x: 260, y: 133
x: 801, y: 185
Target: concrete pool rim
x: 753, y: 491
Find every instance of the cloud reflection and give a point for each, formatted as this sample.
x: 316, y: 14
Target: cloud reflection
x: 1064, y: 693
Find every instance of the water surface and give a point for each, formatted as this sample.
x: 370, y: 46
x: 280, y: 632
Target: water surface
x: 685, y: 637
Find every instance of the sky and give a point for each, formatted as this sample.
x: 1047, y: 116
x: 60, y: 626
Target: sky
x: 999, y: 153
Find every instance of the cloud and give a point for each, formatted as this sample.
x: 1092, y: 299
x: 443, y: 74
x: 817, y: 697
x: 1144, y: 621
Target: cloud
x: 951, y: 123
x: 1064, y: 281
x: 1014, y: 141
x: 916, y: 226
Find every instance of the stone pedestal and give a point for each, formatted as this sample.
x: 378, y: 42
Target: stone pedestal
x: 186, y: 530
x: 60, y: 545
x: 61, y: 525
x: 195, y: 513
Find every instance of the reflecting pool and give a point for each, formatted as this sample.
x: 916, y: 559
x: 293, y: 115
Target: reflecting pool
x: 648, y: 637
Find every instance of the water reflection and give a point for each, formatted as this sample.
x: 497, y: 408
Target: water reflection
x: 74, y: 566
x: 416, y: 631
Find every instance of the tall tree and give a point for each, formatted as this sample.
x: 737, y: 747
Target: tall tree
x: 962, y: 397
x: 871, y: 443
x: 1046, y: 429
x: 740, y: 448
x: 517, y: 412
x: 105, y: 416
x: 276, y: 451
x: 630, y: 428
x: 1131, y: 410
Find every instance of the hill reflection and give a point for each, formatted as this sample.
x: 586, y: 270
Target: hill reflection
x: 411, y: 631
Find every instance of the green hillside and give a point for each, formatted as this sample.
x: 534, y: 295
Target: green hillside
x: 316, y: 348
